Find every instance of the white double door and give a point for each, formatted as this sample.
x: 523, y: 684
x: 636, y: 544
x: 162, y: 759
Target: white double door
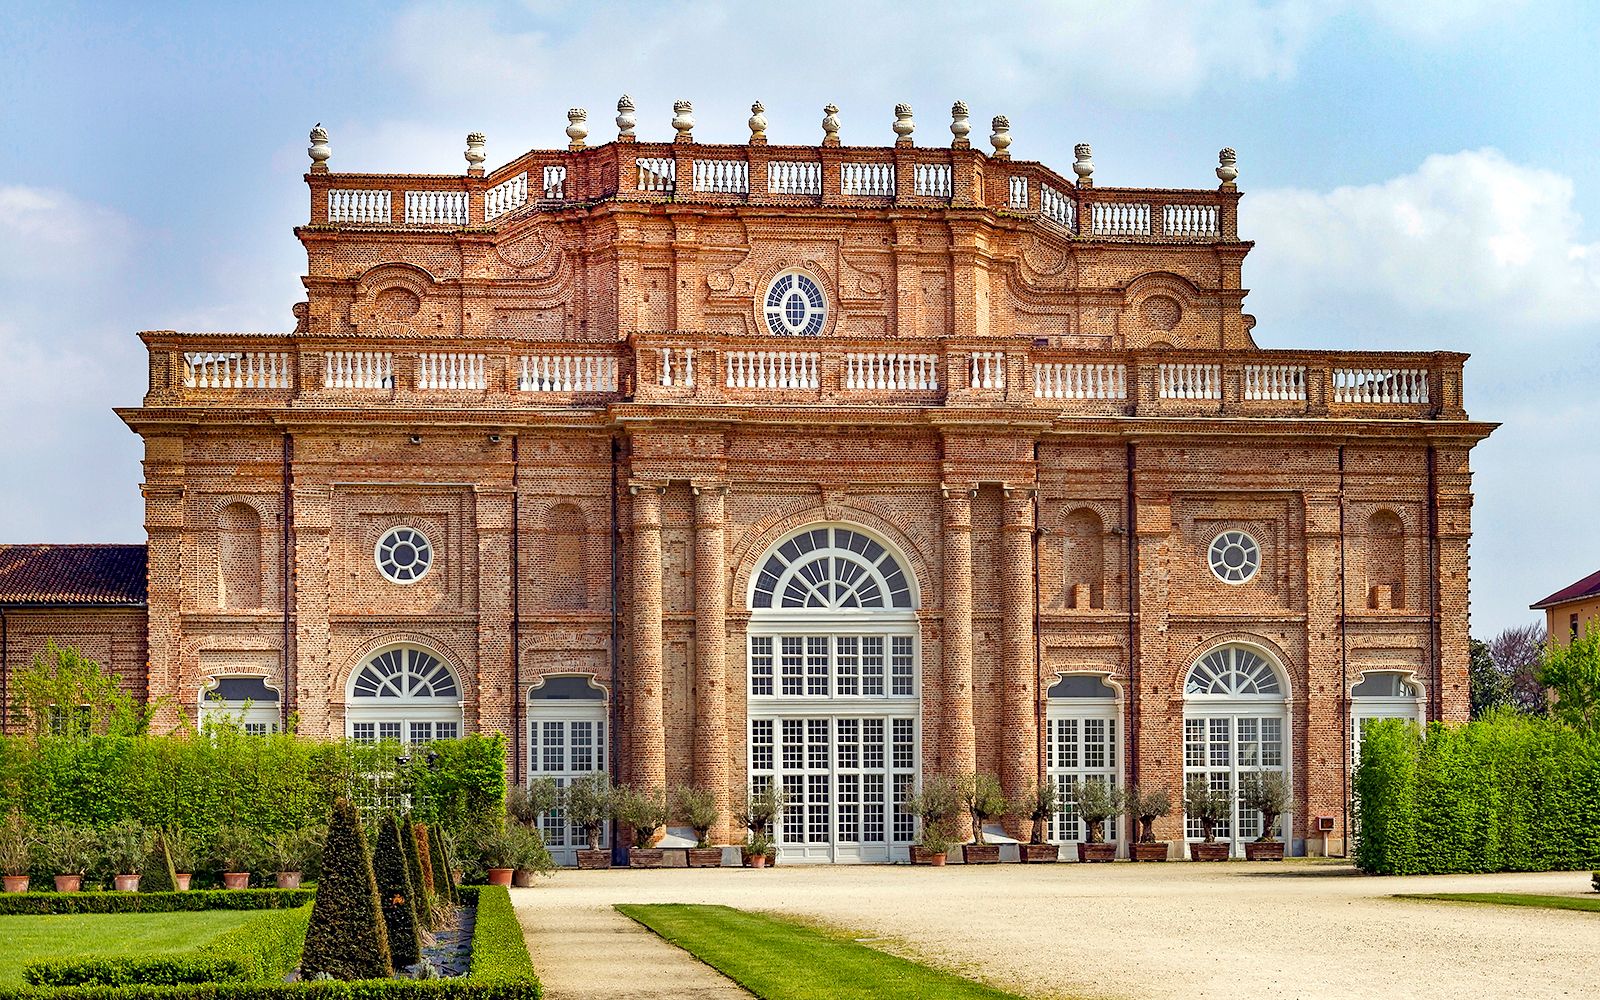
x: 564, y: 744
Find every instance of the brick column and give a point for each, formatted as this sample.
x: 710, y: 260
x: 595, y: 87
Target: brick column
x: 646, y: 730
x: 1019, y: 744
x: 956, y: 735
x: 314, y: 670
x: 711, y: 653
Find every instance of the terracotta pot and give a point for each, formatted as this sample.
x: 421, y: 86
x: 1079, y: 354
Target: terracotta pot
x: 69, y: 883
x: 288, y: 880
x: 590, y: 860
x: 500, y: 876
x: 125, y: 883
x: 980, y: 854
x: 523, y: 878
x: 923, y: 856
x: 1097, y: 852
x: 646, y: 857
x: 16, y: 883
x: 1264, y: 850
x: 758, y: 861
x: 236, y: 880
x: 1038, y: 854
x: 1217, y: 851
x: 183, y: 881
x: 1153, y: 851
x: 704, y: 857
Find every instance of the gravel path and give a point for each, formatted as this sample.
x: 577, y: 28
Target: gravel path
x: 1236, y: 931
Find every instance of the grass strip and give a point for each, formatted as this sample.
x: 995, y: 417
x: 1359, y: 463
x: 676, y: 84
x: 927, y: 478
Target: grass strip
x: 1581, y: 903
x: 35, y: 938
x: 779, y: 960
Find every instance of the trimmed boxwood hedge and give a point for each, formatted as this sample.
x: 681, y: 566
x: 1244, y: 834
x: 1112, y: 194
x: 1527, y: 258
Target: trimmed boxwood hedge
x: 20, y: 904
x: 1505, y: 793
x: 264, y: 948
x: 499, y: 950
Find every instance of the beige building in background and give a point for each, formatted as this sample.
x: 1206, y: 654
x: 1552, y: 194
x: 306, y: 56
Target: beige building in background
x: 1571, y: 610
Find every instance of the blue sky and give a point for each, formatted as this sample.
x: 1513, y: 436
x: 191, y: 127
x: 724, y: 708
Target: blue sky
x: 1417, y: 175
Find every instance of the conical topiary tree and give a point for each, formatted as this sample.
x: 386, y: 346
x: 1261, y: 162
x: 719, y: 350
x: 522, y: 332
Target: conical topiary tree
x: 419, y: 888
x: 346, y: 938
x: 395, y: 894
x: 159, y: 875
x: 444, y: 882
x: 424, y: 846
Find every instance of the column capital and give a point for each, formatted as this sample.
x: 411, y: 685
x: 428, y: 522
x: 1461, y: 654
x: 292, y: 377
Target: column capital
x: 717, y: 488
x: 955, y: 491
x: 640, y: 487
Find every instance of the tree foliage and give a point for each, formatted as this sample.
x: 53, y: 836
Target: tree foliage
x: 64, y: 693
x: 1571, y: 671
x: 396, y: 895
x: 346, y: 938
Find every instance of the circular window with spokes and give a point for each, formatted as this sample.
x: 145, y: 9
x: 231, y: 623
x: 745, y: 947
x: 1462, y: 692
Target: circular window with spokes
x: 403, y: 555
x: 795, y: 306
x: 1235, y: 557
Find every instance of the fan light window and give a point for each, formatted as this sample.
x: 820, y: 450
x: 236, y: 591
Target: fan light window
x: 405, y: 673
x: 403, y: 555
x: 1235, y: 557
x: 795, y: 306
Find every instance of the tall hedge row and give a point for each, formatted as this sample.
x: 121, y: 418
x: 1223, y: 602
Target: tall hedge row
x: 1505, y: 793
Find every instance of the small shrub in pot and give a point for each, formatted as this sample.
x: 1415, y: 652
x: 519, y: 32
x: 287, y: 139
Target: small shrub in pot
x: 1209, y: 806
x: 235, y: 850
x: 934, y: 804
x: 1040, y: 803
x: 759, y: 814
x: 18, y: 840
x: 70, y: 849
x: 1268, y: 793
x: 1146, y: 804
x: 187, y: 850
x: 697, y: 807
x: 126, y: 848
x: 498, y: 848
x: 589, y: 802
x: 645, y: 810
x: 529, y: 856
x: 1096, y: 801
x: 983, y: 800
x: 289, y: 853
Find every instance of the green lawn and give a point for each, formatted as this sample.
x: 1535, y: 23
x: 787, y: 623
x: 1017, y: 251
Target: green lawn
x: 779, y: 960
x: 1590, y: 904
x: 29, y: 939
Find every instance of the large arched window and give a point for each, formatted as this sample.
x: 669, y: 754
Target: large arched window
x: 833, y: 665
x: 1081, y: 717
x: 403, y: 693
x: 1235, y: 720
x: 566, y: 740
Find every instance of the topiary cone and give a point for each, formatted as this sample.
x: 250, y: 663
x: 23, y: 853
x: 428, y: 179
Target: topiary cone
x: 159, y: 875
x: 395, y: 894
x: 346, y: 938
x: 419, y: 888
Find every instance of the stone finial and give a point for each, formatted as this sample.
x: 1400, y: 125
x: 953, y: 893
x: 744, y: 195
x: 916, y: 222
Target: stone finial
x: 1227, y: 166
x: 319, y: 151
x: 758, y: 124
x: 577, y: 128
x: 904, y: 125
x: 960, y: 126
x: 683, y: 120
x: 626, y: 120
x: 1000, y: 137
x: 830, y: 125
x: 476, y: 141
x: 1084, y: 167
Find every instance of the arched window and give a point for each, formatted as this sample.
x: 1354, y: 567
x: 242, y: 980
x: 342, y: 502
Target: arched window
x: 404, y: 693
x: 245, y: 701
x: 566, y: 563
x: 1386, y: 561
x: 833, y: 664
x: 239, y: 557
x: 1382, y: 694
x: 1081, y: 717
x: 1235, y: 720
x: 1083, y: 559
x: 566, y: 740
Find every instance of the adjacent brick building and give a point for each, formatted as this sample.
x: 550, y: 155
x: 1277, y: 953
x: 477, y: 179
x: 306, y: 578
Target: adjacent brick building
x: 834, y: 466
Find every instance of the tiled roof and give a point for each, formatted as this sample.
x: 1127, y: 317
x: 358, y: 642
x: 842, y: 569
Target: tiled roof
x: 1589, y: 586
x: 72, y: 574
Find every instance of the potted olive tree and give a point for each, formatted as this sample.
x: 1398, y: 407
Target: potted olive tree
x: 498, y: 846
x: 288, y: 853
x: 1268, y: 793
x: 1209, y: 806
x: 938, y: 800
x: 982, y: 799
x: 1097, y: 801
x: 526, y: 805
x: 235, y: 851
x: 185, y: 849
x: 1146, y: 804
x: 17, y: 840
x: 590, y: 802
x: 644, y: 809
x: 1042, y: 801
x: 761, y: 810
x: 125, y: 846
x: 698, y: 808
x: 70, y: 850
x: 529, y: 856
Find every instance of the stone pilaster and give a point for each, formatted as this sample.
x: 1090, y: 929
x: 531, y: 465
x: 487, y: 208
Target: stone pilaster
x: 711, y: 765
x: 646, y: 728
x: 1019, y: 751
x: 959, y: 754
x: 314, y: 672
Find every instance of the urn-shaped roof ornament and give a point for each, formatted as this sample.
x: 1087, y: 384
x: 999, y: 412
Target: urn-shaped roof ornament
x: 1227, y: 166
x: 577, y: 128
x: 1000, y: 137
x: 626, y: 119
x: 830, y: 125
x: 960, y: 125
x: 904, y: 125
x: 320, y: 150
x: 1084, y: 167
x: 758, y: 124
x: 683, y: 120
x: 476, y: 141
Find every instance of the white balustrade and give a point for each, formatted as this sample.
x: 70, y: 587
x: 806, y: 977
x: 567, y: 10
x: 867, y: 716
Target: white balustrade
x: 1017, y: 193
x: 451, y: 370
x: 773, y: 369
x: 657, y: 173
x: 348, y: 205
x: 794, y: 177
x: 1380, y: 385
x: 1079, y: 380
x: 932, y: 179
x: 434, y: 208
x: 866, y: 179
x: 1117, y: 218
x: 988, y: 369
x: 722, y: 176
x: 1190, y: 221
x: 567, y: 373
x: 359, y: 370
x: 1191, y: 381
x: 1275, y: 382
x: 555, y: 183
x: 1056, y: 207
x: 507, y: 196
x: 237, y: 370
x: 891, y: 370
x: 677, y: 369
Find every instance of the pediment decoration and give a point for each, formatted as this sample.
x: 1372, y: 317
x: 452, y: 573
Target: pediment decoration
x: 533, y: 253
x: 391, y: 300
x: 1045, y: 257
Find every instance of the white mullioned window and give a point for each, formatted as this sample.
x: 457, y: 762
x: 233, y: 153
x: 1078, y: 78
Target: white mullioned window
x: 834, y: 706
x: 795, y: 306
x: 243, y: 700
x: 405, y: 694
x: 1082, y: 743
x: 567, y: 738
x: 1382, y: 694
x: 1235, y: 720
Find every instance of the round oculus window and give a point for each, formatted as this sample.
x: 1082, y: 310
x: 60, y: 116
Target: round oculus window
x: 1234, y: 557
x: 403, y: 555
x: 795, y: 306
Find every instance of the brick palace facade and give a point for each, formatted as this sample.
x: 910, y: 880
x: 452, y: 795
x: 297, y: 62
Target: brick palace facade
x: 834, y: 466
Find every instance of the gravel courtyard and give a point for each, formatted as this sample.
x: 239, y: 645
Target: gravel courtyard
x: 1239, y: 931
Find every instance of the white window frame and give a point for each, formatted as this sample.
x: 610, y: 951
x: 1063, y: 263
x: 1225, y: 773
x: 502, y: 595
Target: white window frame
x: 1364, y: 708
x: 256, y: 718
x: 771, y: 312
x: 1067, y: 717
x: 1231, y: 709
x: 405, y: 711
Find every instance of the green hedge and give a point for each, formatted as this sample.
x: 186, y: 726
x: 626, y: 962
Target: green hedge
x: 264, y: 949
x: 499, y: 950
x: 41, y: 903
x: 1504, y: 793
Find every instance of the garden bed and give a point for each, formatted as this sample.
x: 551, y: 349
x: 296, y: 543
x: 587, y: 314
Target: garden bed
x: 30, y: 939
x: 42, y: 903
